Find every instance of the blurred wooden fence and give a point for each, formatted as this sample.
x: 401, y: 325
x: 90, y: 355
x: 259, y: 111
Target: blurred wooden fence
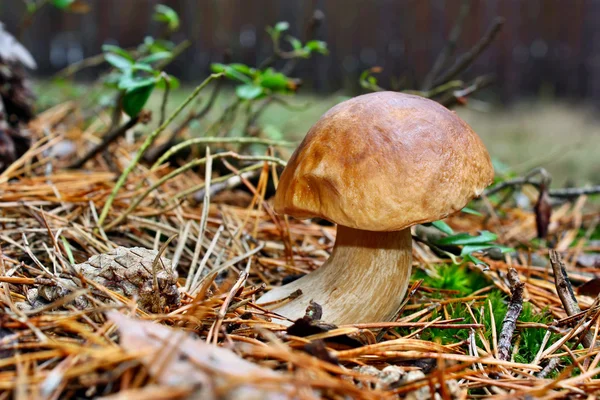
x: 545, y: 43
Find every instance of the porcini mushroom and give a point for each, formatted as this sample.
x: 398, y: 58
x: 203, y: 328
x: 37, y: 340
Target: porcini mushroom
x: 375, y: 165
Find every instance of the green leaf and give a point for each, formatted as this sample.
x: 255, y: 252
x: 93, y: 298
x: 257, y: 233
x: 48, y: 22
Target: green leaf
x: 473, y: 248
x: 442, y: 226
x: 272, y: 80
x: 151, y: 46
x: 135, y: 99
x: 243, y: 68
x: 248, y: 92
x: 474, y: 260
x: 62, y: 4
x: 231, y: 73
x: 167, y: 15
x: 468, y: 210
x: 316, y: 46
x: 162, y: 55
x: 462, y: 239
x: 67, y: 249
x: 117, y: 61
x: 142, y: 67
x: 282, y: 26
x: 364, y: 75
x: 127, y: 82
x: 218, y: 67
x: 109, y: 48
x: 296, y: 44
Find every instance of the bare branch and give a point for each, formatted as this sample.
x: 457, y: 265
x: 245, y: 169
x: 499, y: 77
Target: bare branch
x: 515, y: 306
x: 565, y: 292
x: 450, y: 46
x: 464, y: 61
x: 529, y: 179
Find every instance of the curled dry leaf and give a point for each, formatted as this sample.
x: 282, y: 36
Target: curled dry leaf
x: 543, y: 212
x: 591, y: 288
x: 174, y: 358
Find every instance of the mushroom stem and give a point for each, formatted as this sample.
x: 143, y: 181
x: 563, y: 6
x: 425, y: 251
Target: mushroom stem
x: 364, y: 280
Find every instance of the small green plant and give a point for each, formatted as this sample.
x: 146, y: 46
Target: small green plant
x: 136, y: 79
x: 368, y: 81
x: 532, y: 338
x: 307, y: 49
x: 480, y: 309
x: 454, y: 278
x: 136, y: 75
x: 168, y: 16
x: 458, y: 281
x: 299, y: 50
x: 484, y: 240
x: 481, y: 242
x: 258, y: 83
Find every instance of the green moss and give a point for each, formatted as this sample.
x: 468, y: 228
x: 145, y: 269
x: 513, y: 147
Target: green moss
x: 457, y: 278
x: 463, y: 281
x: 531, y: 338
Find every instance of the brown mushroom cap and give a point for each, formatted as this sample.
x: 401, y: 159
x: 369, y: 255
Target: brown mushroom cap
x: 383, y: 162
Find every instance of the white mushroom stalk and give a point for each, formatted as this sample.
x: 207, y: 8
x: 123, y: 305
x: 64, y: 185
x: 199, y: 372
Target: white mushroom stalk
x: 364, y: 280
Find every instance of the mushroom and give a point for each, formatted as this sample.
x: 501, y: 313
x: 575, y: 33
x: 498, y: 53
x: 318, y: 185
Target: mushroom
x: 375, y: 165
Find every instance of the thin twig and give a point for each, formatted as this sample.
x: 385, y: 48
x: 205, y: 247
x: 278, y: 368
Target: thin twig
x: 465, y: 60
x: 222, y: 183
x: 450, y: 46
x: 551, y: 366
x: 515, y: 306
x: 155, y: 153
x: 203, y: 222
x: 565, y: 292
x: 89, y: 62
x: 567, y: 193
x: 180, y: 48
x: 529, y: 179
x: 155, y: 263
x: 165, y: 99
x: 223, y: 310
x: 220, y: 140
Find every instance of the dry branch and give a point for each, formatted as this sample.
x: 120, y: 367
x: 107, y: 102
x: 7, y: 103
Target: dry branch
x: 465, y: 60
x: 529, y: 179
x: 450, y: 47
x: 565, y: 292
x: 515, y: 306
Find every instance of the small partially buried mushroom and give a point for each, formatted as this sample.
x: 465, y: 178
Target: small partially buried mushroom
x: 375, y: 165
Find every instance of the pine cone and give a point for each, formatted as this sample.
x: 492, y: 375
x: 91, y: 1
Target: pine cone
x: 126, y: 271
